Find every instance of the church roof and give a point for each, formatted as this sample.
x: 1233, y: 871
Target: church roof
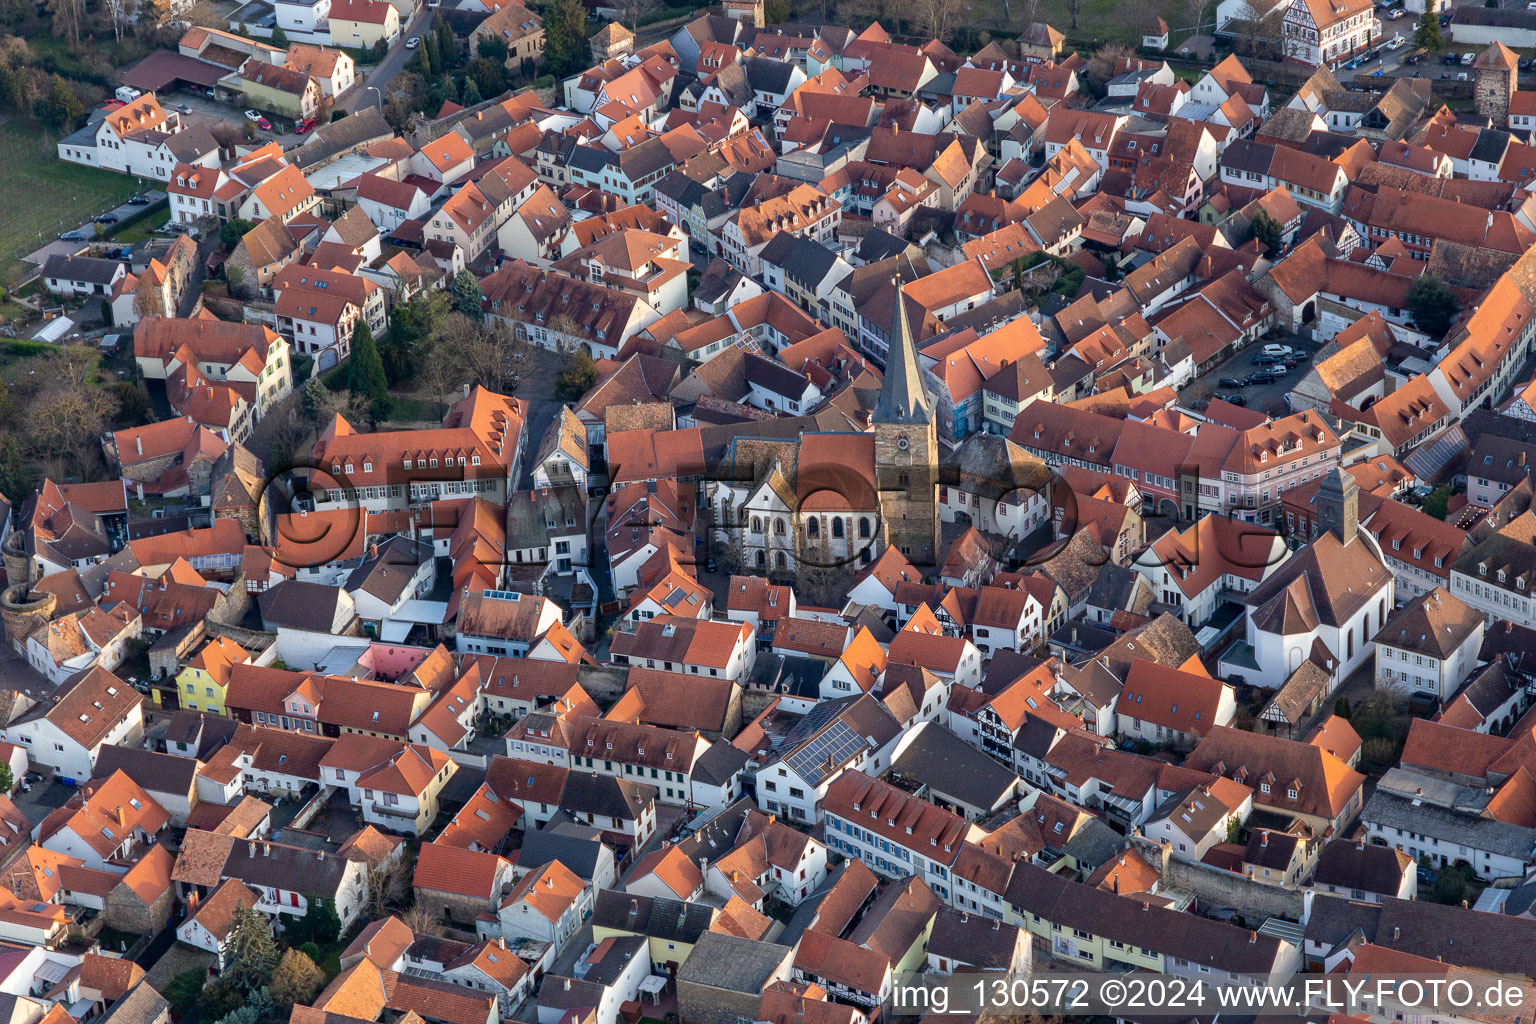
x: 903, y: 396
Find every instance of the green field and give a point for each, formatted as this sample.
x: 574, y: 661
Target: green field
x: 49, y: 195
x: 1098, y: 21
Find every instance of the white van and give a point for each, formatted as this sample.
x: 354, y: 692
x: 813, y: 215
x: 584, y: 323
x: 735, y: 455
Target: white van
x: 1277, y: 350
x: 127, y: 93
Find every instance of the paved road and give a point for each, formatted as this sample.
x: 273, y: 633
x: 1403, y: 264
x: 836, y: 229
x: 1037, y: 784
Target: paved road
x: 376, y: 90
x: 1265, y: 398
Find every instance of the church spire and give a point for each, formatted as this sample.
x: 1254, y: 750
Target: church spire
x: 903, y: 397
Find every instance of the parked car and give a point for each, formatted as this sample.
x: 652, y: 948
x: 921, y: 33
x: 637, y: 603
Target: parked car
x: 1412, y: 58
x: 1397, y: 43
x: 106, y: 218
x: 303, y: 126
x: 1263, y: 377
x: 257, y: 118
x: 1398, y: 13
x: 76, y: 236
x: 413, y: 42
x: 1265, y: 360
x: 1468, y: 58
x: 140, y: 200
x: 1278, y: 351
x: 1232, y: 382
x: 182, y: 108
x: 1449, y: 58
x: 1236, y: 400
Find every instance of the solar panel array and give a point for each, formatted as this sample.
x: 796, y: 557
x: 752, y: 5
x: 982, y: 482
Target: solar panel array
x: 838, y: 742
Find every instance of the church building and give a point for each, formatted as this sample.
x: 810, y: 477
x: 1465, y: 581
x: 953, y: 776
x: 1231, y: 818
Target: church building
x: 832, y: 499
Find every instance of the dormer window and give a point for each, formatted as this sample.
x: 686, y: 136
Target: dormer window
x: 367, y: 467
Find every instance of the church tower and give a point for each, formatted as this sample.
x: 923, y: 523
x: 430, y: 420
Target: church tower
x: 1338, y: 505
x: 907, y: 447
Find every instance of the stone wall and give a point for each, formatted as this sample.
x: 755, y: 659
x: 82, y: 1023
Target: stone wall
x: 452, y: 908
x: 603, y: 683
x: 127, y: 912
x: 1214, y: 887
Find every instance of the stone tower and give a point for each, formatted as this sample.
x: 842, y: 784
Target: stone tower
x: 1495, y: 71
x: 22, y: 612
x: 1338, y: 505
x: 907, y: 447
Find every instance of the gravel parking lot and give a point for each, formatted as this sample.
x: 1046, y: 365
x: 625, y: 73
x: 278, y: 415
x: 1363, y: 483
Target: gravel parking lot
x: 1266, y: 398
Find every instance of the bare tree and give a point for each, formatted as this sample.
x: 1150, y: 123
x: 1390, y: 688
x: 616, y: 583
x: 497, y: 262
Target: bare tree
x: 387, y: 884
x: 1031, y: 12
x: 67, y: 18
x: 117, y: 10
x: 1103, y: 65
x: 439, y: 370
x: 1198, y: 9
x: 635, y: 10
x: 934, y: 16
x: 422, y: 920
x: 1074, y: 8
x: 204, y: 13
x: 68, y: 416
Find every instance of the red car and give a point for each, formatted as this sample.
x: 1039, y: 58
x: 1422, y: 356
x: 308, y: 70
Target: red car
x: 304, y: 126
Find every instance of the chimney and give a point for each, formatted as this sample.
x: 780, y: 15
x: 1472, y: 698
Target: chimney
x: 138, y: 442
x: 251, y: 849
x: 567, y: 984
x: 122, y: 817
x: 266, y: 849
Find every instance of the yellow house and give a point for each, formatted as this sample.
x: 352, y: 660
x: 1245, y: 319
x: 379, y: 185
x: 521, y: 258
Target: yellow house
x: 285, y: 91
x: 362, y: 23
x: 670, y: 927
x: 202, y: 684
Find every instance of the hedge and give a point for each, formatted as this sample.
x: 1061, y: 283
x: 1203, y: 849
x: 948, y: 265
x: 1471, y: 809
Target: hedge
x: 139, y: 216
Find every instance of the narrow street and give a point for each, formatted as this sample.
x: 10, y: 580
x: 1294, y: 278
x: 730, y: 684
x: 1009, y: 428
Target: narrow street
x: 375, y: 91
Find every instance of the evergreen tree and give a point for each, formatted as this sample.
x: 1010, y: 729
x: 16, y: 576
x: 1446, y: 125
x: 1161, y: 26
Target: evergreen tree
x: 61, y: 108
x: 447, y: 49
x: 279, y: 38
x: 471, y: 92
x: 466, y: 294
x: 1432, y: 305
x: 576, y: 377
x: 1427, y: 34
x: 296, y: 979
x: 366, y: 374
x: 252, y: 953
x: 1267, y: 232
x: 565, y: 38
x: 314, y: 395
